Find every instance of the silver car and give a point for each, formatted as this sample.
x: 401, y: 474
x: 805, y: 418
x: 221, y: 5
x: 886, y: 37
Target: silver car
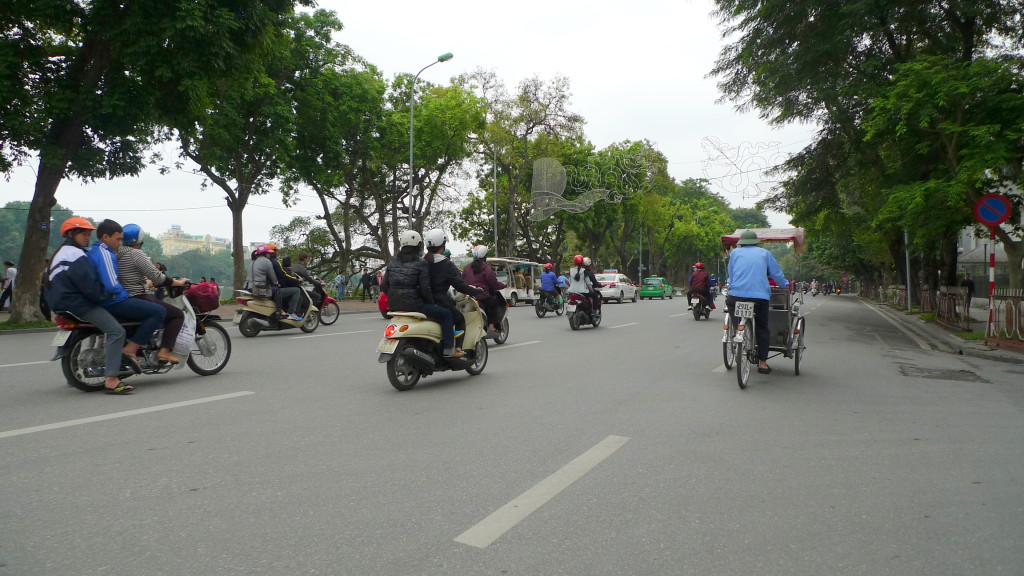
x: 617, y: 287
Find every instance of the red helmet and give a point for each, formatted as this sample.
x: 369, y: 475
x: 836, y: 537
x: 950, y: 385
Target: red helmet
x: 699, y: 265
x: 577, y: 259
x: 549, y: 266
x: 75, y: 222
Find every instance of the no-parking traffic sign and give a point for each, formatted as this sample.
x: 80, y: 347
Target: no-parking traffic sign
x: 992, y: 209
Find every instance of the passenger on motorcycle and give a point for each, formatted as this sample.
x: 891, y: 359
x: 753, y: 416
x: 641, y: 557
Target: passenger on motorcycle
x: 134, y: 268
x: 700, y: 283
x: 407, y: 284
x: 289, y: 284
x: 549, y: 284
x: 73, y: 286
x: 150, y: 316
x: 480, y: 274
x: 750, y: 268
x: 262, y: 273
x: 444, y: 274
x: 583, y: 281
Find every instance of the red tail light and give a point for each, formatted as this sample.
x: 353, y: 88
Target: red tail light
x: 64, y: 323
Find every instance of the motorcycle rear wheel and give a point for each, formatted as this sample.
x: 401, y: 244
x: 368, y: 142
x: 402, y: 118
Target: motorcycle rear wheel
x: 218, y: 343
x: 247, y: 325
x: 79, y: 357
x: 503, y: 334
x: 400, y: 372
x: 574, y: 321
x: 540, y: 309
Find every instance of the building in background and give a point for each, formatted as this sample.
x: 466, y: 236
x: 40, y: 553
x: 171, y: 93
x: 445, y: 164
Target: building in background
x: 175, y: 242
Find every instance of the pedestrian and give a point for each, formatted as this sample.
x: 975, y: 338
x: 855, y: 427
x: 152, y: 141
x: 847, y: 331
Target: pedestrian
x: 8, y: 283
x: 213, y: 281
x: 968, y: 284
x: 375, y: 280
x: 340, y: 281
x: 364, y: 282
x: 202, y: 279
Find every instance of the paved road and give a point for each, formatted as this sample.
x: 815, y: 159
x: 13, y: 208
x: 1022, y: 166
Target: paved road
x: 622, y: 450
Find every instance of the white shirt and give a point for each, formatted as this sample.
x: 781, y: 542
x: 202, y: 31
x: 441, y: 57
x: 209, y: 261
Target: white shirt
x: 12, y: 273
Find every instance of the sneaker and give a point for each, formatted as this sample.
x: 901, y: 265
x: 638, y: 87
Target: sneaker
x: 295, y: 317
x: 689, y: 307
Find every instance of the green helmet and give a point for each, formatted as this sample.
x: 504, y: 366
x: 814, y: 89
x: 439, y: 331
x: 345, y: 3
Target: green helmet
x: 748, y: 238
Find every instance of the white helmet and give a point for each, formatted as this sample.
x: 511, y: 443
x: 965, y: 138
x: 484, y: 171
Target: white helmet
x: 480, y: 251
x: 410, y: 238
x: 435, y: 238
x: 586, y: 261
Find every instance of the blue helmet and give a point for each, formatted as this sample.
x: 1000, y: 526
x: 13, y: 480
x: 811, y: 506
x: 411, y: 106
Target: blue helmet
x: 133, y: 234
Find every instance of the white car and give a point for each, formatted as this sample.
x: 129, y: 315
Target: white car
x: 617, y: 287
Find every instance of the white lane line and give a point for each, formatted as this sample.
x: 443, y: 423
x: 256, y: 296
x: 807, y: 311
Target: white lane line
x: 623, y: 325
x: 25, y: 364
x: 721, y: 368
x: 91, y: 419
x: 677, y: 315
x: 496, y: 347
x: 331, y: 334
x: 910, y: 334
x: 505, y: 518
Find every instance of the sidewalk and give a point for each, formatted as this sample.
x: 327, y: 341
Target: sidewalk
x: 945, y: 340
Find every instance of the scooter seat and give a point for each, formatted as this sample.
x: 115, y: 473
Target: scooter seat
x: 417, y: 315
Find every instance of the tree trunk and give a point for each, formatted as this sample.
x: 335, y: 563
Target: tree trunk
x: 25, y: 299
x: 239, y: 251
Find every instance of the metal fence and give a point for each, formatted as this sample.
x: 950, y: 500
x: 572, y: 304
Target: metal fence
x: 1007, y: 320
x: 952, y: 309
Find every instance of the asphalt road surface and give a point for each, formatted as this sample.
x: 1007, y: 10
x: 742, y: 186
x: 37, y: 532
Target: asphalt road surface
x: 622, y: 450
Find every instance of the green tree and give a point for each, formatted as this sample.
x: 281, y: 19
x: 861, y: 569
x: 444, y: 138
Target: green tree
x: 83, y: 84
x: 13, y: 219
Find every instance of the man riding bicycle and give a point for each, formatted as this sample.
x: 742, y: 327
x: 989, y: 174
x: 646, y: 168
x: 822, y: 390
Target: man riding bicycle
x: 750, y: 266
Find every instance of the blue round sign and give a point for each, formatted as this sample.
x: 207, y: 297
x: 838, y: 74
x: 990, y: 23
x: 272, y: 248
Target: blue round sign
x: 992, y: 209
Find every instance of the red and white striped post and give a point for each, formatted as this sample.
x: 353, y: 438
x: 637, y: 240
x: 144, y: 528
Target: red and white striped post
x: 992, y: 210
x: 991, y: 282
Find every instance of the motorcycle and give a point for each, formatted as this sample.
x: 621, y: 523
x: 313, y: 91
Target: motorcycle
x: 81, y: 347
x: 552, y: 303
x: 255, y: 315
x: 327, y: 307
x: 701, y: 307
x: 579, y: 310
x: 501, y: 322
x: 411, y: 347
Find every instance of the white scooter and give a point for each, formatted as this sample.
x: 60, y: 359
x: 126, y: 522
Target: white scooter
x: 412, y: 347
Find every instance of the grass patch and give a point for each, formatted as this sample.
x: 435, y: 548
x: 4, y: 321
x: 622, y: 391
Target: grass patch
x: 25, y: 325
x: 930, y: 317
x: 970, y: 335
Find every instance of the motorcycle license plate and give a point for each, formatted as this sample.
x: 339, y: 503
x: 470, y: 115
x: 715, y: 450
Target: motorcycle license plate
x: 570, y: 307
x: 61, y: 337
x: 387, y: 345
x: 743, y: 309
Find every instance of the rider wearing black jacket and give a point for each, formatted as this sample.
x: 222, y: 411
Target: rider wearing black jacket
x: 444, y: 274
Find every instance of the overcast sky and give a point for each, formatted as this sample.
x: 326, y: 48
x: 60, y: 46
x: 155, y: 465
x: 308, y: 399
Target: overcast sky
x: 637, y: 71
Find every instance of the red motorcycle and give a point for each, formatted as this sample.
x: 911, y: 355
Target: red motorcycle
x: 327, y: 305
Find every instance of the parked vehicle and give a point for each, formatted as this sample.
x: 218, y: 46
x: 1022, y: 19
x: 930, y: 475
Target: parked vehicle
x: 580, y: 312
x: 655, y: 287
x: 412, y: 349
x: 81, y: 347
x: 617, y: 287
x: 255, y: 315
x: 527, y: 291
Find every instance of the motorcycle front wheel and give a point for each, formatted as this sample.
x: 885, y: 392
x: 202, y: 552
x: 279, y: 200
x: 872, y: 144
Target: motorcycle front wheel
x: 595, y: 320
x: 401, y: 373
x: 480, y: 361
x: 311, y: 323
x: 561, y: 308
x: 210, y: 351
x: 83, y: 354
x: 329, y: 314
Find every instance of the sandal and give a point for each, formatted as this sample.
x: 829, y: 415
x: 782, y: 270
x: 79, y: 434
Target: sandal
x: 767, y: 370
x: 121, y: 388
x: 168, y: 359
x: 132, y: 363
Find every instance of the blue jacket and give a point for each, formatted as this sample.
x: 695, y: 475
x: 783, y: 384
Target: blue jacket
x: 72, y: 282
x: 105, y: 261
x: 548, y: 280
x: 749, y: 269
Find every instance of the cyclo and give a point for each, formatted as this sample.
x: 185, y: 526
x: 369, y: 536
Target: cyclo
x: 739, y: 345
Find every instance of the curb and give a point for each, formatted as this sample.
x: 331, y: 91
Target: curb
x: 945, y: 341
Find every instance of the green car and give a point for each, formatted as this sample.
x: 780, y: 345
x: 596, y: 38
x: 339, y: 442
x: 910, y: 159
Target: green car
x: 655, y: 287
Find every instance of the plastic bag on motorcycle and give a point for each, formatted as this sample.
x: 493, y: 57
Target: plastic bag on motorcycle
x: 203, y: 297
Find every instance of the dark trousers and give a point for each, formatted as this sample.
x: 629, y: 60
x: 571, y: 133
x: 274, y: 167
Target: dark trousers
x: 762, y: 331
x: 174, y: 319
x: 4, y: 297
x: 366, y: 292
x: 149, y: 315
x: 444, y: 316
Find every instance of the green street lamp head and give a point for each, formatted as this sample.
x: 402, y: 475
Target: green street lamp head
x: 445, y: 57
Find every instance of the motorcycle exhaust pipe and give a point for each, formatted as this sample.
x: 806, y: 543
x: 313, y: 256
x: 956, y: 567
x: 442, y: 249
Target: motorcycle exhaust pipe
x: 421, y: 360
x: 261, y: 322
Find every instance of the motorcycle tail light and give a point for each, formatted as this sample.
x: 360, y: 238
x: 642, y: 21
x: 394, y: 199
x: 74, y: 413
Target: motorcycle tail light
x: 64, y: 323
x: 390, y: 331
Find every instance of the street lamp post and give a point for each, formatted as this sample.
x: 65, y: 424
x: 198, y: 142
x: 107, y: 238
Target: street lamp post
x: 412, y: 106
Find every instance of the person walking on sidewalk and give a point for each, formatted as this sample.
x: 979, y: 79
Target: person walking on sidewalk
x: 364, y: 282
x: 968, y: 285
x: 8, y: 283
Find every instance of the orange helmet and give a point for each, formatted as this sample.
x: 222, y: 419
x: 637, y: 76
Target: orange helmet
x: 577, y: 259
x: 75, y: 222
x: 271, y: 247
